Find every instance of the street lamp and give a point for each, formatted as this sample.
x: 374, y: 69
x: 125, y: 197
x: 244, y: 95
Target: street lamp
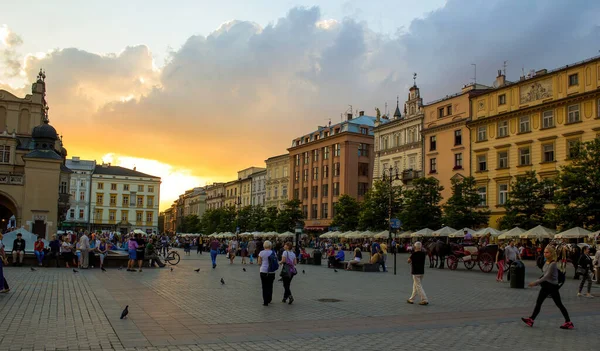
x: 389, y: 175
x: 298, y: 232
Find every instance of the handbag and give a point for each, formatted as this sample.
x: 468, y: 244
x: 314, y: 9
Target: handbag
x: 581, y: 271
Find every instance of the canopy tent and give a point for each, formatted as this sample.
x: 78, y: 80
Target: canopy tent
x: 573, y: 233
x: 139, y: 231
x: 461, y: 233
x: 382, y: 235
x: 426, y: 232
x: 538, y: 232
x: 514, y: 233
x: 28, y: 236
x: 286, y: 235
x: 366, y: 234
x: 594, y: 235
x: 444, y: 231
x: 405, y: 235
x: 488, y: 230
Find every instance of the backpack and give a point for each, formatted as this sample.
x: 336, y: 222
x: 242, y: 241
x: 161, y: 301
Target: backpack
x: 273, y: 263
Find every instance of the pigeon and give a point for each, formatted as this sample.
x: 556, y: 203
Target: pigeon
x: 75, y: 271
x: 244, y: 269
x: 125, y: 312
x: 32, y: 269
x: 102, y: 269
x: 120, y: 267
x: 222, y: 281
x: 171, y: 269
x: 197, y: 270
x: 335, y: 270
x: 303, y: 272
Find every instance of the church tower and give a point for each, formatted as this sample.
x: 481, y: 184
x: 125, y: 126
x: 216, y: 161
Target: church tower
x: 414, y: 103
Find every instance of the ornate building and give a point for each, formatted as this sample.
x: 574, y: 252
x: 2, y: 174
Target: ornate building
x: 277, y: 180
x: 215, y: 196
x: 34, y: 181
x: 78, y: 216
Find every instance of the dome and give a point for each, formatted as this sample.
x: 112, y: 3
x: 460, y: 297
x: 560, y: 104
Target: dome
x: 64, y: 152
x: 44, y: 131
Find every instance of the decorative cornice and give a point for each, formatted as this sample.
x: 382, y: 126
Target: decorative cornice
x: 524, y: 142
x: 482, y: 150
x: 445, y: 126
x: 552, y: 137
x: 398, y: 122
x: 579, y: 132
x: 503, y: 146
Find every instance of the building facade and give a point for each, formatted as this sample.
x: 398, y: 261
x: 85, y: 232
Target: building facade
x: 169, y: 221
x: 79, y: 205
x: 531, y: 125
x: 34, y: 181
x: 215, y: 196
x: 233, y: 192
x: 197, y: 202
x: 399, y: 143
x: 245, y: 183
x: 259, y: 188
x: 124, y: 200
x: 447, y: 139
x: 329, y: 162
x: 277, y: 181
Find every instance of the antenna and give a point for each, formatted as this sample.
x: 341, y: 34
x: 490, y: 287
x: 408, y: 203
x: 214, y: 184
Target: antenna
x: 475, y: 69
x: 504, y: 66
x: 386, y: 112
x: 523, y: 71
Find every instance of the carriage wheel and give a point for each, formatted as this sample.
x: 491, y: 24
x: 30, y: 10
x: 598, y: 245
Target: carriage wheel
x: 452, y: 262
x: 469, y: 264
x: 486, y: 263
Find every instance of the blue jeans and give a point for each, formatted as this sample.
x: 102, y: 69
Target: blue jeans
x: 213, y: 257
x: 40, y: 256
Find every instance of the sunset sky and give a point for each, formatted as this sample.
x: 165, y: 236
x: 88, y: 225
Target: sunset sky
x: 196, y: 92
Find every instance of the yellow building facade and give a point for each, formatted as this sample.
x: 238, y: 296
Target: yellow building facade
x: 277, y: 180
x: 531, y: 125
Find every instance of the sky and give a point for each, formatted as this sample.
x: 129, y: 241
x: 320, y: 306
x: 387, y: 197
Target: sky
x: 196, y: 92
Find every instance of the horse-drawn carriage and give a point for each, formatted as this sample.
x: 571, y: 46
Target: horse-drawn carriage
x: 484, y: 256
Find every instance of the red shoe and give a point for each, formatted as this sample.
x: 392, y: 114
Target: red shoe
x: 567, y: 325
x: 528, y: 321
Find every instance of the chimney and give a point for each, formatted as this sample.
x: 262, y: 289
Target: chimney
x: 134, y: 168
x: 500, y: 79
x: 361, y: 113
x: 349, y: 117
x: 75, y: 159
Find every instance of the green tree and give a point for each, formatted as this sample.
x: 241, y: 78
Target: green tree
x: 461, y: 209
x: 526, y: 203
x: 210, y: 221
x: 421, y: 205
x: 191, y: 224
x: 257, y: 219
x: 289, y: 216
x: 269, y: 220
x: 244, y: 216
x: 374, y: 210
x: 577, y: 195
x: 347, y: 211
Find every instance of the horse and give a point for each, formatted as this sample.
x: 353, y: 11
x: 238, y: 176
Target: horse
x: 437, y: 252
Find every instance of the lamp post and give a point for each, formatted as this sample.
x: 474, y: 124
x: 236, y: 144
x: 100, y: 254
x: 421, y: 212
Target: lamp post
x: 298, y: 232
x: 389, y: 175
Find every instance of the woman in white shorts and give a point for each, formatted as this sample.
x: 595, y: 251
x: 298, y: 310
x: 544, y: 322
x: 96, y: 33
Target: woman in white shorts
x: 355, y: 260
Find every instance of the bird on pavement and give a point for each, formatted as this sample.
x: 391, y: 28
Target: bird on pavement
x: 75, y: 271
x: 222, y: 281
x: 102, y: 269
x: 120, y: 267
x: 197, y: 270
x: 303, y: 272
x: 171, y: 269
x: 32, y: 269
x: 125, y: 312
x: 244, y: 269
x: 335, y: 270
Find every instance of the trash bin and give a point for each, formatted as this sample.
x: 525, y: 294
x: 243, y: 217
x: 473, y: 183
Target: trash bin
x: 517, y: 275
x: 317, y: 255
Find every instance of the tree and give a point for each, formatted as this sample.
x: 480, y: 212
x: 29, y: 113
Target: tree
x: 289, y: 216
x: 374, y: 210
x: 347, y: 211
x: 257, y: 216
x: 191, y: 224
x: 526, y: 203
x: 421, y: 205
x: 577, y: 195
x: 461, y: 210
x: 269, y: 220
x: 244, y: 216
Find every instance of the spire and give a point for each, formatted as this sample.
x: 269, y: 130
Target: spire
x: 414, y: 79
x: 397, y: 113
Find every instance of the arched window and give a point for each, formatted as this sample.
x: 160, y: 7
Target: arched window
x: 2, y: 119
x: 23, y: 127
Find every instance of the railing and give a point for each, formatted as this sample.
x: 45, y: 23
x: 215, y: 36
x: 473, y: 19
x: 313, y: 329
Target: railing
x: 411, y: 174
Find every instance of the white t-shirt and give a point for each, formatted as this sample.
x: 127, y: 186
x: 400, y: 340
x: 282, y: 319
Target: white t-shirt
x: 66, y: 247
x: 290, y: 255
x: 264, y: 255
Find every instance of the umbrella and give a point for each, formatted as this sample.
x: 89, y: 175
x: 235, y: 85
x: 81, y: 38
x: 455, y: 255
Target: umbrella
x: 138, y: 231
x: 573, y: 233
x: 484, y: 231
x: 405, y: 235
x: 594, y: 235
x: 382, y: 235
x: 423, y: 232
x: 512, y: 234
x: 444, y: 231
x: 461, y: 233
x: 538, y: 232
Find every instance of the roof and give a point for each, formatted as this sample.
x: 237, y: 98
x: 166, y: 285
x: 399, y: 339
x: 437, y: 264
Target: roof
x: 80, y: 165
x: 120, y: 171
x: 47, y: 154
x: 65, y: 169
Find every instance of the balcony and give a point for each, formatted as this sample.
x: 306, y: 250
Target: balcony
x: 410, y: 174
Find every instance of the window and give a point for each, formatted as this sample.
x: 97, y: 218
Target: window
x: 449, y: 110
x: 150, y: 201
x: 325, y: 211
x: 296, y: 194
x: 139, y: 216
x: 432, y: 165
x: 112, y: 215
x: 572, y: 148
x: 305, y: 193
x: 326, y: 153
x: 411, y: 136
x: 325, y: 190
x: 63, y: 188
x: 275, y: 192
x: 482, y: 192
x: 336, y: 189
x: 150, y: 188
x: 502, y: 194
x: 149, y: 216
x: 314, y: 208
x: 363, y: 169
x: 125, y: 200
x: 306, y: 157
x: 440, y: 112
x: 458, y: 161
x: 412, y: 161
x: 285, y: 172
x: 482, y: 163
x: 140, y: 188
x: 364, y: 130
x: 525, y: 156
x: 458, y: 137
x: 140, y: 201
x: 4, y: 154
x: 82, y: 183
x: 284, y: 191
x: 125, y: 187
x: 315, y: 155
x: 337, y: 150
x: 315, y: 172
x: 363, y: 149
x: 502, y: 99
x: 432, y: 143
x: 524, y: 125
x: 305, y: 175
x: 297, y: 176
x: 362, y: 188
x: 325, y: 171
x: 113, y: 186
x: 336, y: 169
x: 573, y: 79
x: 573, y: 114
x: 297, y: 160
x: 72, y: 213
x: 482, y: 133
x: 100, y: 186
x: 503, y: 159
x: 81, y: 213
x: 124, y: 216
x: 315, y: 191
x: 548, y: 119
x: 385, y: 145
x: 502, y: 129
x: 99, y: 199
x: 305, y: 211
x: 113, y: 199
x: 548, y: 151
x: 98, y: 215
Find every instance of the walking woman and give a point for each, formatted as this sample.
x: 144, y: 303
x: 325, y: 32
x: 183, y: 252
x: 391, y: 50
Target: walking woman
x: 500, y: 263
x: 266, y: 278
x: 214, y: 246
x: 585, y: 266
x: 549, y: 283
x: 3, y: 262
x: 288, y: 261
x: 132, y: 246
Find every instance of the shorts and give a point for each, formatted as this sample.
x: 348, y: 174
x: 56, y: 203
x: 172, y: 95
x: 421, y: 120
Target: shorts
x: 132, y: 254
x: 357, y: 259
x: 139, y: 255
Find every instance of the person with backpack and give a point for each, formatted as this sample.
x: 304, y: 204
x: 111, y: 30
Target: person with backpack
x: 550, y: 282
x: 268, y: 266
x: 288, y: 262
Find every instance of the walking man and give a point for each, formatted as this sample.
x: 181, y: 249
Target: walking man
x: 512, y: 254
x: 417, y: 261
x: 84, y: 247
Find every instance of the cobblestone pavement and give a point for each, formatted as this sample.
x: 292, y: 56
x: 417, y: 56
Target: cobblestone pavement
x: 55, y: 309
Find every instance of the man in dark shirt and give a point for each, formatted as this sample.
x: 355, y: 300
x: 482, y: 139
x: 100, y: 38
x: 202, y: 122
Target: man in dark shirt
x: 55, y: 249
x: 18, y: 250
x: 417, y: 261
